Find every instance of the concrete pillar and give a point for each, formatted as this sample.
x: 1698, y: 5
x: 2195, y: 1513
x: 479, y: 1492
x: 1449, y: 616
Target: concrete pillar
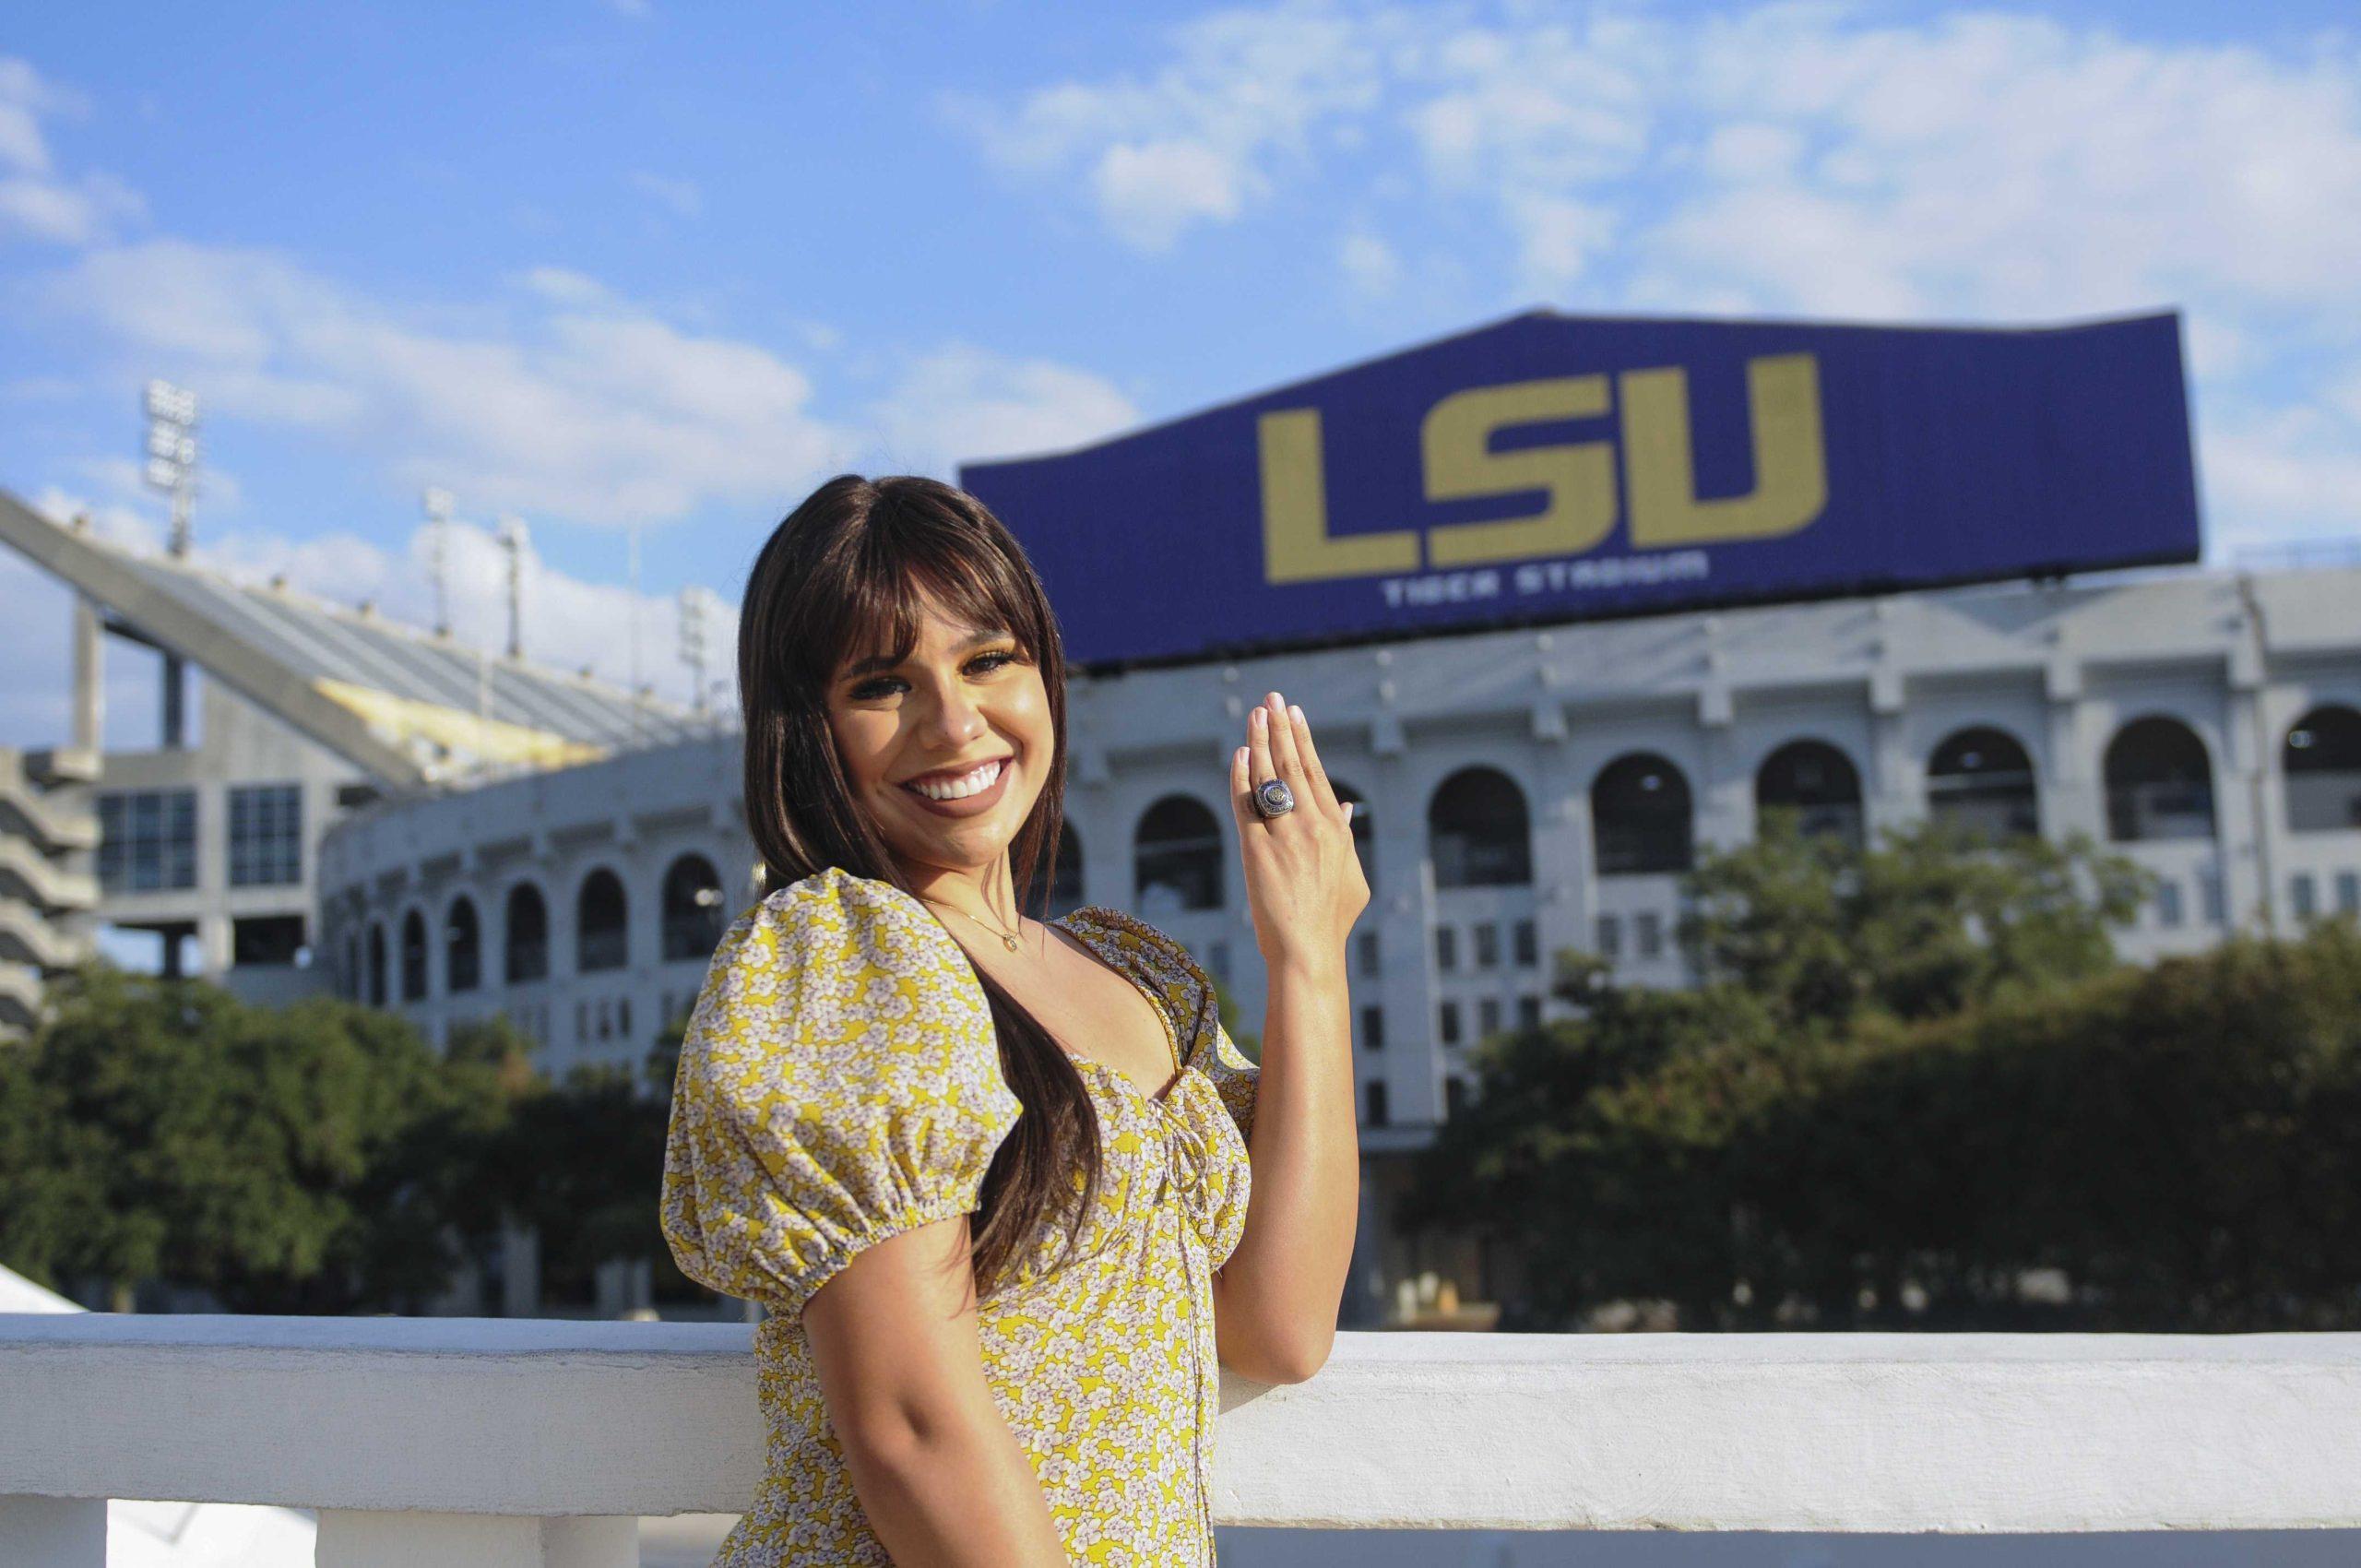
x: 89, y: 676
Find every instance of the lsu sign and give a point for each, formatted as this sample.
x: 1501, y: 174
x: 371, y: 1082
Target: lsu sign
x: 1554, y: 468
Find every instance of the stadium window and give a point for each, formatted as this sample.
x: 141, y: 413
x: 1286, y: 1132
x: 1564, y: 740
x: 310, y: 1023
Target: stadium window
x: 1488, y: 1017
x: 1817, y: 782
x: 1487, y: 945
x: 601, y: 928
x: 147, y: 840
x: 2209, y: 885
x: 2348, y: 892
x: 1980, y: 778
x: 1369, y: 952
x: 413, y: 957
x: 1375, y: 1090
x: 376, y: 966
x: 1449, y: 1029
x: 693, y: 917
x: 1610, y: 936
x: 1479, y: 834
x: 2302, y: 896
x: 1640, y: 821
x: 1647, y: 930
x: 1446, y: 948
x: 1454, y: 1095
x: 2168, y: 910
x: 2159, y: 782
x: 2322, y: 762
x: 1177, y: 857
x: 528, y: 945
x: 1373, y: 1028
x: 1528, y: 1012
x: 1528, y: 944
x: 462, y: 946
x: 265, y: 834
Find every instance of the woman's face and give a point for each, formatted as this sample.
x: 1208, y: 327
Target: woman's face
x: 967, y: 696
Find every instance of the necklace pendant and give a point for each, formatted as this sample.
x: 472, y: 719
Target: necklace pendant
x: 1009, y: 942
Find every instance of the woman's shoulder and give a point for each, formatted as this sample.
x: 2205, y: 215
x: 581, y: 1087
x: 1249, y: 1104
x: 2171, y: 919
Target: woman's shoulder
x: 834, y: 905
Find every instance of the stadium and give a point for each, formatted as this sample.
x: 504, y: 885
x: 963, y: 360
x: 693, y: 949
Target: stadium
x: 1567, y: 600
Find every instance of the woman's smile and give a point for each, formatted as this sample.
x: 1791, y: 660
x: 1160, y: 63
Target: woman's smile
x: 993, y: 779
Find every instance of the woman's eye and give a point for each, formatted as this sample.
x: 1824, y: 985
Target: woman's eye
x: 987, y: 662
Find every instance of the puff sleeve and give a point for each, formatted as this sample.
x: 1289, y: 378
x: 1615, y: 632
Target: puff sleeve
x: 840, y: 1082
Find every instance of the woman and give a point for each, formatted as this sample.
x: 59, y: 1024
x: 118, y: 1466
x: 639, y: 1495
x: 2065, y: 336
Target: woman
x: 1009, y: 1194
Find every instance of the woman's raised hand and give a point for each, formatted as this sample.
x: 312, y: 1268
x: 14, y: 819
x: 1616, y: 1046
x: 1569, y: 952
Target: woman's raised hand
x: 1303, y: 880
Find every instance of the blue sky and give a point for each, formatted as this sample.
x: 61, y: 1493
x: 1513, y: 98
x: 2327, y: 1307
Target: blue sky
x: 597, y: 264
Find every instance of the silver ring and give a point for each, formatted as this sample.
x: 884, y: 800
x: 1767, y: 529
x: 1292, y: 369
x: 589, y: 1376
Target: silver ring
x: 1273, y: 798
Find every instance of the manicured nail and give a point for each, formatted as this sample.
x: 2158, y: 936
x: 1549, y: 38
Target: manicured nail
x: 1296, y: 711
x: 1261, y: 713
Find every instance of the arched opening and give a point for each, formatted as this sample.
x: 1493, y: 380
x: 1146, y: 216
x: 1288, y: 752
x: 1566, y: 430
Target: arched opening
x: 413, y: 957
x: 1819, y: 783
x: 1981, y: 779
x: 1065, y: 872
x: 693, y: 911
x: 2322, y: 759
x: 376, y: 964
x: 1177, y: 857
x: 528, y: 936
x: 2159, y: 782
x: 463, y: 946
x: 1361, y: 842
x: 601, y: 927
x: 1479, y: 832
x: 1641, y: 820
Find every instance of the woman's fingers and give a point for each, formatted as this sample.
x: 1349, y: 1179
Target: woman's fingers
x: 1308, y: 757
x: 1239, y: 784
x: 1260, y: 763
x: 1283, y: 750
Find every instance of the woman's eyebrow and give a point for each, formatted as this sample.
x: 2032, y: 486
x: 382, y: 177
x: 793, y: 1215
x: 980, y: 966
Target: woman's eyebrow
x: 887, y: 661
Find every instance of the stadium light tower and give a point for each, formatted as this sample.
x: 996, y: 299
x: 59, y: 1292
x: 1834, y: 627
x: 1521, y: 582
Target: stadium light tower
x: 172, y: 453
x: 695, y: 607
x: 514, y: 539
x: 438, y: 522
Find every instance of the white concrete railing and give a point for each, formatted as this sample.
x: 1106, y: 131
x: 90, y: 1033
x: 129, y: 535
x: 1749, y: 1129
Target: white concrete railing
x: 513, y: 1442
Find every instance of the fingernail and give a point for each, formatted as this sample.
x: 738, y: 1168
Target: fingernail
x: 1240, y: 756
x: 1296, y: 712
x: 1261, y: 713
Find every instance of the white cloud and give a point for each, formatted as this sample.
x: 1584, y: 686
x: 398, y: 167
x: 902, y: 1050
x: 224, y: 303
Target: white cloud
x: 1202, y: 139
x: 567, y: 400
x: 1369, y: 264
x: 681, y: 198
x: 35, y: 201
x: 961, y: 403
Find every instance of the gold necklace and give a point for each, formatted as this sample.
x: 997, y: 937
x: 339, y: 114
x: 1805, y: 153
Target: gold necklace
x: 1007, y: 940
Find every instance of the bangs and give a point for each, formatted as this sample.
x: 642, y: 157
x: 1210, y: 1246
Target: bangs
x: 897, y: 569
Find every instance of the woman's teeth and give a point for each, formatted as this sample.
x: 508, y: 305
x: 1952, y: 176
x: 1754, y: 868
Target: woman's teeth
x: 959, y: 789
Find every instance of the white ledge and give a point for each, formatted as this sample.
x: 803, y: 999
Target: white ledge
x: 1966, y: 1433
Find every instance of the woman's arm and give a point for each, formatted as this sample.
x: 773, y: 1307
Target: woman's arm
x: 1276, y: 1298
x: 944, y: 1482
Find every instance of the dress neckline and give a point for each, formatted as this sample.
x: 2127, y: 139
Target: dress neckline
x: 1162, y: 1097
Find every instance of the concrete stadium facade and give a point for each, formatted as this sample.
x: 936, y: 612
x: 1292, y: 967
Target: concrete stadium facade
x: 1525, y: 792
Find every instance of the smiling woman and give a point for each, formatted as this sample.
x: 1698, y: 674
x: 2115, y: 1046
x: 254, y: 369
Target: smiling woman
x: 987, y: 1194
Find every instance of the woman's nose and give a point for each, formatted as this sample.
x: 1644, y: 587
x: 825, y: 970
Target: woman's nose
x: 955, y: 715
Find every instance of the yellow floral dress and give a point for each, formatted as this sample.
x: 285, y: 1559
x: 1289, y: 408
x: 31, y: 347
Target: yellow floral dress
x: 840, y: 1083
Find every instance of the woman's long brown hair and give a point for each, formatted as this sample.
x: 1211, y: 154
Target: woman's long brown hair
x: 840, y: 577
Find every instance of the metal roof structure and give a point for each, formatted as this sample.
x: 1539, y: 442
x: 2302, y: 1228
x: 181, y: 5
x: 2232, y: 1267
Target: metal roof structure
x: 401, y: 703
